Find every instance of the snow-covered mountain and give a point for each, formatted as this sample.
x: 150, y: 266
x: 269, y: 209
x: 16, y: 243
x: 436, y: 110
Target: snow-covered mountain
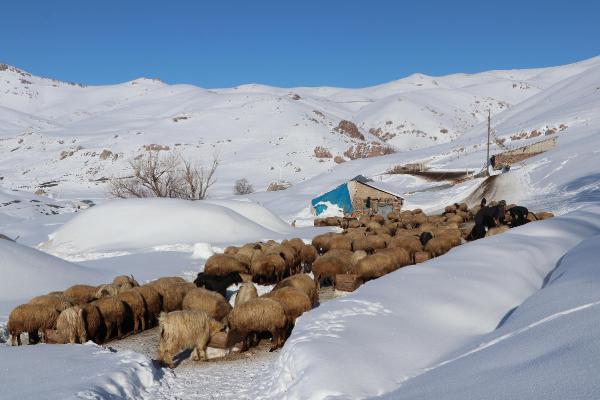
x: 76, y: 135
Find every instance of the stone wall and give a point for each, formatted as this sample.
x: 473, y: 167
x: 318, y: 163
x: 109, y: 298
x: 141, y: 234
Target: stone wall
x: 359, y: 193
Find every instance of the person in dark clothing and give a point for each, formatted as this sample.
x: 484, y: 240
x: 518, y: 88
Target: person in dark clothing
x: 483, y: 202
x: 487, y: 217
x: 518, y: 215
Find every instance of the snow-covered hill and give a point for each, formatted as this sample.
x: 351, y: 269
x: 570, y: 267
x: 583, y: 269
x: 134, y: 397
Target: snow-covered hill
x: 52, y: 131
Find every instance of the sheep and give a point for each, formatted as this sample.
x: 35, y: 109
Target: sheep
x: 497, y: 230
x: 127, y: 281
x: 372, y: 226
x: 378, y: 218
x: 301, y: 282
x: 70, y: 325
x: 230, y: 250
x: 297, y: 244
x: 81, y: 294
x: 217, y: 284
x: 136, y: 303
x: 356, y: 256
x: 450, y: 209
x: 454, y: 218
x: 95, y: 329
x: 400, y: 256
x: 340, y: 242
x: 374, y: 266
x: 267, y: 268
x: 425, y: 237
x: 180, y: 330
x: 173, y: 295
x: 544, y: 215
x: 296, y: 302
x: 353, y: 223
x: 260, y: 315
x: 288, y: 254
x: 409, y: 243
x: 438, y: 246
x: 31, y: 318
x: 212, y: 303
x: 58, y: 302
x: 153, y: 302
x: 308, y: 255
x: 369, y: 243
x: 114, y: 313
x: 344, y: 255
x: 321, y: 242
x: 328, y: 267
x: 246, y: 292
x: 463, y: 207
x: 110, y: 290
x: 223, y: 264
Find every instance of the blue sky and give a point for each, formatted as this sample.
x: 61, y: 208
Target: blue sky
x: 291, y: 43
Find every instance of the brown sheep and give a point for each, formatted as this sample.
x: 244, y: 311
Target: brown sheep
x: 127, y: 281
x: 180, y: 330
x: 497, y: 230
x: 81, y: 294
x: 247, y: 292
x: 296, y: 302
x: 450, y: 209
x: 60, y: 303
x: 95, y: 329
x: 301, y: 282
x: 210, y: 302
x: 356, y: 256
x: 544, y: 215
x: 327, y: 267
x: 340, y: 242
x: 114, y: 313
x: 31, y: 318
x: 454, y: 218
x: 110, y: 290
x: 172, y: 295
x: 268, y: 268
x: 260, y: 315
x: 463, y: 207
x: 401, y: 257
x: 71, y: 325
x: 438, y: 246
x: 230, y: 250
x: 344, y: 255
x: 409, y: 243
x: 321, y: 242
x: 223, y: 264
x: 353, y: 223
x: 153, y: 302
x: 136, y: 302
x: 378, y: 218
x: 297, y: 244
x: 308, y: 255
x: 372, y: 226
x: 374, y: 266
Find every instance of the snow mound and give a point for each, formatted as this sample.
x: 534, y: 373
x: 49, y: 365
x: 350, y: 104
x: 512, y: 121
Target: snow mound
x: 74, y: 371
x: 550, y: 343
x: 26, y: 272
x: 391, y: 329
x: 137, y: 224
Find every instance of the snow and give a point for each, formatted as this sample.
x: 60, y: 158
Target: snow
x: 119, y: 226
x: 391, y: 329
x: 74, y: 371
x: 202, y: 251
x: 547, y: 348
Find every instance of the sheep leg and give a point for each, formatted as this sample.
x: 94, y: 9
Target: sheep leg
x: 109, y: 330
x: 143, y: 323
x: 136, y: 324
x: 34, y: 337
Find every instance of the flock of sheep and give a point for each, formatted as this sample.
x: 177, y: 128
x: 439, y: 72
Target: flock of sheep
x: 189, y: 315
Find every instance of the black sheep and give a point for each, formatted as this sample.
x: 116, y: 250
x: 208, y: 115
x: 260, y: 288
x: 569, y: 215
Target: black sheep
x: 425, y: 237
x: 216, y: 283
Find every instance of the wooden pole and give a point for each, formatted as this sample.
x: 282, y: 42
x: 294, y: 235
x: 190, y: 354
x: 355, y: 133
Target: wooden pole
x: 487, y: 160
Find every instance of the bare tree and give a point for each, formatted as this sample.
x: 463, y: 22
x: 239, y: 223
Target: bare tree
x: 242, y: 186
x: 169, y: 175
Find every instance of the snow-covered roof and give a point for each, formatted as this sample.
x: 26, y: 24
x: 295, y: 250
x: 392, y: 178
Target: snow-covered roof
x: 377, y: 185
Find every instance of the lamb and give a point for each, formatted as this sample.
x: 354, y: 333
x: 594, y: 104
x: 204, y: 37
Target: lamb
x: 81, y: 294
x: 248, y: 292
x: 113, y: 313
x: 60, y: 303
x: 260, y: 315
x: 211, y: 303
x: 31, y: 318
x: 71, y: 326
x: 153, y: 302
x: 217, y: 284
x: 180, y: 330
x: 223, y: 264
x: 295, y: 301
x: 126, y: 282
x: 301, y: 282
x: 267, y: 268
x: 136, y: 303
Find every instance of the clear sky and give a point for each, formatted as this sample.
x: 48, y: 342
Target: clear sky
x: 291, y: 43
